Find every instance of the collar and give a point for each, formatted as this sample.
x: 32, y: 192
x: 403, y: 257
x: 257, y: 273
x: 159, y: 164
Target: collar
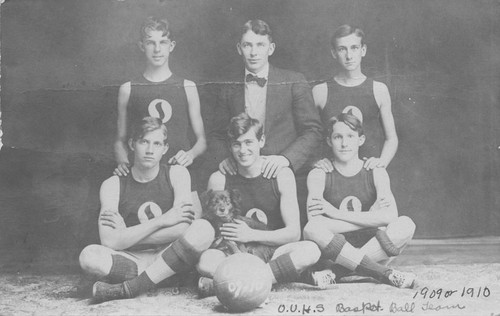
x: 264, y: 73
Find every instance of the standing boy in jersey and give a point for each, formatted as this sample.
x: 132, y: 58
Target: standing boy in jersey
x: 352, y: 212
x: 157, y: 92
x: 147, y: 224
x: 274, y: 202
x: 350, y: 91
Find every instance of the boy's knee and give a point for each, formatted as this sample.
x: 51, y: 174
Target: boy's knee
x: 306, y: 254
x: 90, y: 257
x: 406, y: 224
x: 209, y: 261
x: 311, y: 230
x: 200, y: 234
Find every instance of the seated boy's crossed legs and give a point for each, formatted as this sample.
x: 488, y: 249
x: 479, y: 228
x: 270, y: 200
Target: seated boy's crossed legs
x: 103, y: 263
x: 284, y: 263
x: 364, y: 251
x: 136, y: 274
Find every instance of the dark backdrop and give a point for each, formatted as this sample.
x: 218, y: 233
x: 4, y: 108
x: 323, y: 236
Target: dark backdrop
x: 62, y: 62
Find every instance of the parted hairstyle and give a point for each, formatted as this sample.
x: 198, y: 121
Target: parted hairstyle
x: 241, y: 124
x: 147, y: 125
x: 155, y: 24
x: 348, y: 119
x: 259, y: 27
x: 346, y: 30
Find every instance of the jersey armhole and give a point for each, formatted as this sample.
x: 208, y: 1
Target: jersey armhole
x: 275, y: 187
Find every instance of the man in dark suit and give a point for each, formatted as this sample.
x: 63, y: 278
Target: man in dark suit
x: 281, y: 99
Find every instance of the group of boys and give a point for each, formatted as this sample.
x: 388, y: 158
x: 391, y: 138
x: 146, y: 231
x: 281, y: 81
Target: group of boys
x: 266, y: 142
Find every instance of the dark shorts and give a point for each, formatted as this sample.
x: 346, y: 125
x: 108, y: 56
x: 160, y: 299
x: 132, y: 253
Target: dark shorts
x: 359, y: 238
x: 264, y: 252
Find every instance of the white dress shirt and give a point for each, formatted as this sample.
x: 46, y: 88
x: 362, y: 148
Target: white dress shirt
x: 255, y: 96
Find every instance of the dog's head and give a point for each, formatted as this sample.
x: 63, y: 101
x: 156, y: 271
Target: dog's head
x: 224, y: 204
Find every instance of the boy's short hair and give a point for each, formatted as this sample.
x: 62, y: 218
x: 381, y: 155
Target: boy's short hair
x: 152, y: 23
x: 147, y: 125
x: 259, y: 27
x: 346, y: 30
x: 241, y: 124
x: 348, y: 119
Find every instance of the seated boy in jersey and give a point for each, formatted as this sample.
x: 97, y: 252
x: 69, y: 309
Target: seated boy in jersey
x: 350, y: 91
x: 148, y: 227
x: 157, y: 92
x: 273, y: 200
x: 352, y: 213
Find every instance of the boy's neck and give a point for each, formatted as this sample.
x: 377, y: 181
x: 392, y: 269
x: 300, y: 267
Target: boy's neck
x: 144, y: 175
x: 348, y: 168
x: 350, y: 78
x: 251, y: 171
x: 157, y: 74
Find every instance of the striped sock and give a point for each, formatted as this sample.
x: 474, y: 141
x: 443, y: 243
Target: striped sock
x: 283, y: 269
x: 343, y: 253
x: 179, y: 257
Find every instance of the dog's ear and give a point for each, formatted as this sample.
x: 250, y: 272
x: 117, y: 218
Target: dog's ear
x: 235, y: 196
x: 205, y: 198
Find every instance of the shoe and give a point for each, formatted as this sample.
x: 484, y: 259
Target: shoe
x: 402, y: 280
x: 205, y: 287
x: 102, y: 292
x: 323, y: 279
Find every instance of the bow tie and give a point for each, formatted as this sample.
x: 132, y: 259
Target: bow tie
x: 260, y: 81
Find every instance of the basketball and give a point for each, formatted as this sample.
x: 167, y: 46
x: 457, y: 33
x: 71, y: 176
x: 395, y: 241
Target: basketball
x: 242, y: 282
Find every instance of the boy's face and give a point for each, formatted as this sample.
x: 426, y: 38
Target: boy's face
x: 157, y: 48
x: 246, y: 149
x: 345, y: 142
x: 149, y: 149
x: 255, y: 50
x: 349, y: 51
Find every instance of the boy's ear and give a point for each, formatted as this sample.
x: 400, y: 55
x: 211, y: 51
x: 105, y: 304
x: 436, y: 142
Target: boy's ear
x: 131, y: 144
x: 329, y: 141
x: 334, y: 54
x: 140, y: 44
x: 272, y: 47
x: 238, y: 48
x: 262, y: 141
x: 362, y: 139
x: 363, y: 50
x: 166, y: 149
x: 172, y: 45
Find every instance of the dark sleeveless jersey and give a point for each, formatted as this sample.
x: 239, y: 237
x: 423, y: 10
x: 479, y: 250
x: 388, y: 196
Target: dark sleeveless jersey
x: 166, y: 100
x: 360, y: 98
x: 258, y: 193
x: 140, y: 202
x: 356, y: 193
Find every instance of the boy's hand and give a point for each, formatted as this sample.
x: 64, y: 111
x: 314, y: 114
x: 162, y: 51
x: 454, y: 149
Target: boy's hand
x: 228, y: 165
x: 373, y: 162
x: 112, y: 219
x: 183, y: 158
x: 324, y: 164
x: 381, y: 203
x: 239, y: 231
x: 273, y: 164
x: 178, y: 214
x: 319, y: 206
x: 122, y: 170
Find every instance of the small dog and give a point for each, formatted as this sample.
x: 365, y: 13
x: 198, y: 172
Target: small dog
x: 221, y: 207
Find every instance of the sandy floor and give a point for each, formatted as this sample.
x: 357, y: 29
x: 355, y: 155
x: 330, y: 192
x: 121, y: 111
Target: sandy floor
x: 32, y: 294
